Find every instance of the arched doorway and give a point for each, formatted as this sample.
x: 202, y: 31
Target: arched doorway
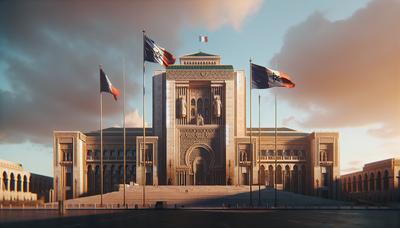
x: 286, y: 183
x: 12, y: 182
x: 271, y: 176
x: 295, y: 179
x: 201, y: 162
x: 261, y: 174
x: 5, y: 181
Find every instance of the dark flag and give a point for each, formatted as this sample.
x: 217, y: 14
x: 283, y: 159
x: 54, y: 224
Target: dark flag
x: 264, y: 78
x: 106, y: 86
x: 156, y: 54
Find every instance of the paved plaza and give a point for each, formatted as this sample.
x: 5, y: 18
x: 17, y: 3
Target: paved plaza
x: 209, y: 218
x: 205, y: 196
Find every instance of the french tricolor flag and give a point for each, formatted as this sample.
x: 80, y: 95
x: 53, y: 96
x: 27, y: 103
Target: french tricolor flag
x: 106, y: 86
x: 203, y: 39
x: 156, y: 54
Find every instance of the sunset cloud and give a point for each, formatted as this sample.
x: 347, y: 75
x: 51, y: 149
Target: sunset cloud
x: 347, y: 72
x: 50, y: 52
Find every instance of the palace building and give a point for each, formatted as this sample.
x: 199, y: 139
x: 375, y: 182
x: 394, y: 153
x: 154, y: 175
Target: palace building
x: 198, y: 137
x: 18, y: 184
x: 377, y: 181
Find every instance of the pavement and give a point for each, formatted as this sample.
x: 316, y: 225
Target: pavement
x: 205, y: 196
x: 208, y: 218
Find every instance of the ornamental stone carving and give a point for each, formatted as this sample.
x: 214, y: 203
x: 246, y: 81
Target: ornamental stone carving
x: 217, y: 106
x: 181, y: 108
x: 200, y: 120
x: 204, y: 136
x: 200, y: 75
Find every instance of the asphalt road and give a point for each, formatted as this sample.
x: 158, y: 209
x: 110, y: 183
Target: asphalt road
x: 204, y: 218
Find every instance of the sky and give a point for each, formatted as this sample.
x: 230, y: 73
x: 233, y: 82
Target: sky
x: 343, y: 56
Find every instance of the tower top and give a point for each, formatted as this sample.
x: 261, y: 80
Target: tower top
x: 200, y: 58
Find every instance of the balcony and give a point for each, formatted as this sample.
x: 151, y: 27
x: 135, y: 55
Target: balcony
x: 284, y: 158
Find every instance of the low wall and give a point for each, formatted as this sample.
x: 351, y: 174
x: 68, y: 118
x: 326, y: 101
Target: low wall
x: 17, y: 196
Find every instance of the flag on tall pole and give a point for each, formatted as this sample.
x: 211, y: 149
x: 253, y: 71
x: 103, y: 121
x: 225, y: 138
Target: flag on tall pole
x: 155, y: 53
x: 123, y: 114
x: 265, y: 78
x: 105, y: 86
x: 203, y: 39
x: 152, y: 52
x: 251, y: 145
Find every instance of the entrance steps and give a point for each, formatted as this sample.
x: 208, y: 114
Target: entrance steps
x: 204, y: 196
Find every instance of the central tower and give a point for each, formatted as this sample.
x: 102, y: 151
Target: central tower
x: 198, y: 110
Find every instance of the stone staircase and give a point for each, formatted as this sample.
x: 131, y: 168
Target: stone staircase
x: 204, y: 196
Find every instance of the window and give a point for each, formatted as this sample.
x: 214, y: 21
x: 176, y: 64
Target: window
x: 371, y: 182
x: 286, y: 153
x: 366, y: 183
x: 200, y: 106
x: 89, y: 155
x: 263, y: 153
x: 378, y: 182
x: 66, y: 151
x: 243, y: 155
x: 270, y: 153
x: 386, y: 181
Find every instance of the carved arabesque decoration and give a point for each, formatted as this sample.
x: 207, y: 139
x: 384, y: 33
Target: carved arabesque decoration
x: 200, y: 74
x: 208, y: 137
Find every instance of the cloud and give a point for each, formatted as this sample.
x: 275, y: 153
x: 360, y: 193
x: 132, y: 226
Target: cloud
x: 347, y: 72
x: 134, y: 119
x: 352, y: 166
x: 50, y: 52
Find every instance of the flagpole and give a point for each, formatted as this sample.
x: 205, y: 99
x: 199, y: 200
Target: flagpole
x: 259, y: 149
x: 144, y: 133
x: 276, y: 192
x: 101, y: 149
x: 123, y: 74
x: 251, y: 143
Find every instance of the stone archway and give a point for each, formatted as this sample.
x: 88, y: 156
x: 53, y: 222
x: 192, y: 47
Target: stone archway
x: 200, y: 159
x: 261, y: 175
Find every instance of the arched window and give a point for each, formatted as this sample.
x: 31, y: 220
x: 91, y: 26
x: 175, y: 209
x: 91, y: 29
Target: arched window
x: 270, y: 153
x: 359, y: 183
x: 349, y: 184
x: 278, y: 174
x: 295, y: 178
x: 386, y: 181
x: 286, y: 153
x: 366, y: 182
x: 19, y: 183
x: 25, y: 185
x: 378, y: 182
x: 372, y: 182
x: 193, y: 107
x: 206, y: 109
x: 89, y: 155
x: 12, y: 182
x: 344, y: 185
x: 5, y: 181
x: 200, y: 106
x: 243, y: 155
x: 354, y: 184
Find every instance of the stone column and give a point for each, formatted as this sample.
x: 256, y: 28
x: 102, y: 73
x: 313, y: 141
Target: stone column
x: 28, y: 189
x: 8, y: 183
